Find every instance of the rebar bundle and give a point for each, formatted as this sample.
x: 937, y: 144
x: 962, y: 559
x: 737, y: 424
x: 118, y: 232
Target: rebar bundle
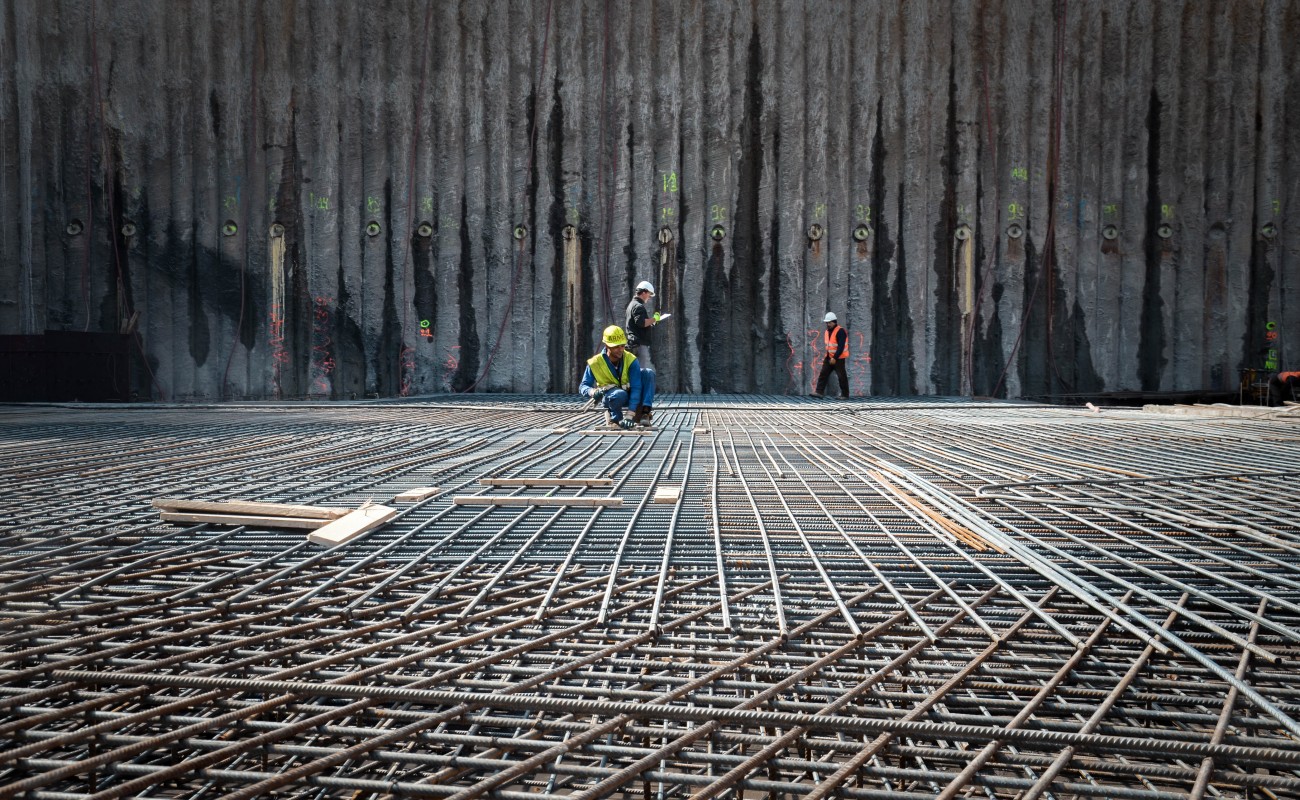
x: 858, y: 600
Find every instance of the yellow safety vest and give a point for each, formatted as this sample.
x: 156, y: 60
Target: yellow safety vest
x: 600, y: 370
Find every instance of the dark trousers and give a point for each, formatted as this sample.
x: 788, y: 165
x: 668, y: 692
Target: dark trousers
x: 839, y: 369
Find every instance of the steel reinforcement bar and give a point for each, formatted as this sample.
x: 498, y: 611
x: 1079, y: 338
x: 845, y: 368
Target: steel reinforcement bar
x: 796, y: 599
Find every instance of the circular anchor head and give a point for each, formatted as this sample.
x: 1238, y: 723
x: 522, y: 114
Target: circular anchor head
x: 424, y: 230
x: 1015, y: 231
x: 861, y: 233
x: 128, y: 228
x: 373, y: 228
x: 74, y: 227
x: 277, y: 230
x: 665, y: 235
x: 1165, y: 230
x: 1110, y: 232
x: 1269, y: 230
x: 230, y: 228
x: 569, y: 232
x: 520, y: 232
x: 718, y: 233
x: 816, y: 232
x: 962, y: 233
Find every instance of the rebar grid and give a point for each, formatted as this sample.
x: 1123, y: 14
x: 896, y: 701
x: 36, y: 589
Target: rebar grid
x: 864, y: 600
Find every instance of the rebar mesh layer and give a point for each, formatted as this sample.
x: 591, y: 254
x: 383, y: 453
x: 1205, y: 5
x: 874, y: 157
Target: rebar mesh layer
x: 860, y: 600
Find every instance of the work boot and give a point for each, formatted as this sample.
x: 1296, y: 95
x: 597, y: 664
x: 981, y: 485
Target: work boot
x: 625, y: 424
x: 817, y: 395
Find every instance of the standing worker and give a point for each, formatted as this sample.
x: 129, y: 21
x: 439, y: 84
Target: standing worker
x: 837, y: 353
x: 615, y: 379
x: 640, y: 324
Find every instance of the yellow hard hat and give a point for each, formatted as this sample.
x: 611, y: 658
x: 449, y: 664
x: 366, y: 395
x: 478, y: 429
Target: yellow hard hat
x: 614, y: 336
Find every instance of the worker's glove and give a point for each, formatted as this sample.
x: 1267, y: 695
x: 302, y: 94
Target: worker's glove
x: 597, y: 394
x: 656, y: 317
x: 831, y: 359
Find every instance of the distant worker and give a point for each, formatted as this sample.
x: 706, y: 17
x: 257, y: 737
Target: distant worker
x: 1284, y: 386
x: 616, y: 380
x: 837, y: 353
x: 640, y: 324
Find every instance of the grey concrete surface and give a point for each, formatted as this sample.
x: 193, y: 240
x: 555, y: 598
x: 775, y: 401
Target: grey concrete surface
x: 325, y: 195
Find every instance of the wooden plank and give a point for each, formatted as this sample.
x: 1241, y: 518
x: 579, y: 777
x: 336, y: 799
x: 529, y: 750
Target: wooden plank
x: 249, y: 507
x: 668, y: 494
x: 243, y: 519
x: 416, y: 495
x: 487, y: 500
x: 546, y: 482
x: 699, y: 431
x: 354, y: 524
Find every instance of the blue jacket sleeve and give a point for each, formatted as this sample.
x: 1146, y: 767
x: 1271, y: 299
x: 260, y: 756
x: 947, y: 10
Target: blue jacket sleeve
x: 588, y: 383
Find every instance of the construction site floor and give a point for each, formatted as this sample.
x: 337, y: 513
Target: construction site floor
x: 760, y: 596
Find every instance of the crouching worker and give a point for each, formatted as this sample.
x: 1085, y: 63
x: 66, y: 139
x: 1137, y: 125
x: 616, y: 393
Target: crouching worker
x: 615, y: 380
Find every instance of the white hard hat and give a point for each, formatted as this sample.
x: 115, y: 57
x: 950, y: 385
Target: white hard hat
x: 830, y: 317
x: 645, y: 286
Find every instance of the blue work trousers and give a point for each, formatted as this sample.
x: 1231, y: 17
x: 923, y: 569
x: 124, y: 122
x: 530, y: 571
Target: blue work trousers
x: 617, y: 399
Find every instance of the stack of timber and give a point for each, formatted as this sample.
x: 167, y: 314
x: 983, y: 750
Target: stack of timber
x: 244, y: 512
x: 328, y: 526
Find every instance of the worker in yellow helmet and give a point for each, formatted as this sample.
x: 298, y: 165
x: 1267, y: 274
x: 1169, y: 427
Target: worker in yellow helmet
x: 615, y: 379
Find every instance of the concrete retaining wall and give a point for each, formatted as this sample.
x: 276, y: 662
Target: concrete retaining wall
x: 340, y: 199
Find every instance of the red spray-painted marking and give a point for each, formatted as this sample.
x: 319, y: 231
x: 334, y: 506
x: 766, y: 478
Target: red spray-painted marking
x: 450, y: 365
x: 408, y: 368
x: 279, y: 354
x: 322, y: 346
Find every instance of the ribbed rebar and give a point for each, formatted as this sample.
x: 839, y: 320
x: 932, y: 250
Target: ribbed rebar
x: 864, y: 599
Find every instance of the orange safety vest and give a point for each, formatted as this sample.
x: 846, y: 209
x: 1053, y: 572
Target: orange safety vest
x: 832, y: 345
x: 1285, y: 376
